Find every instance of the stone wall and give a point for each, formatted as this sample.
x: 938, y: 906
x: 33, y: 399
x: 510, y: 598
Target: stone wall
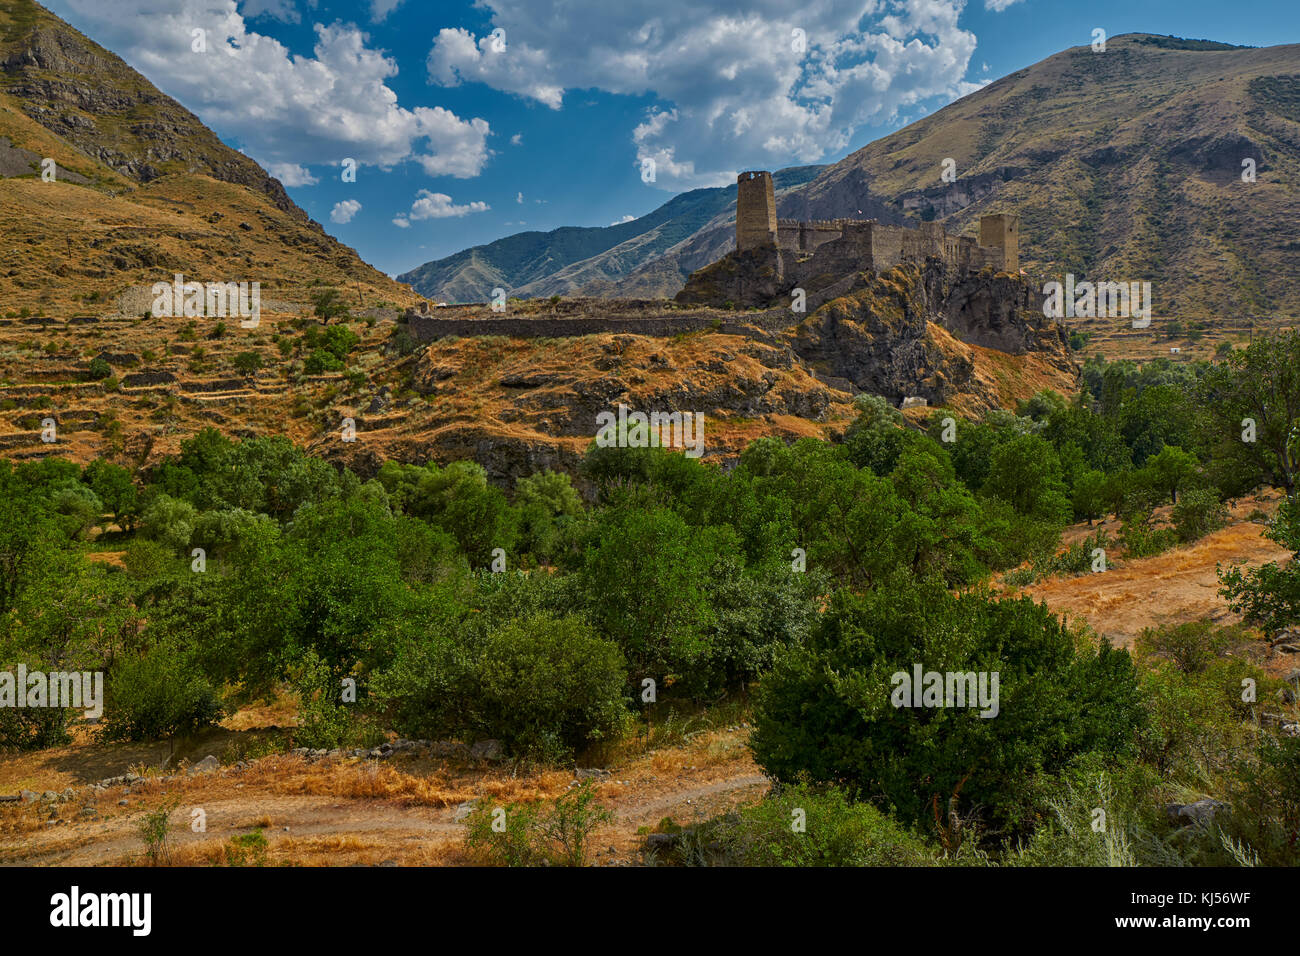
x: 796, y: 236
x: 425, y: 328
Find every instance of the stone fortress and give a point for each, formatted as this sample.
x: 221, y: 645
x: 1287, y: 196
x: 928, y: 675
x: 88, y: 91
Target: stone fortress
x: 824, y: 258
x: 772, y: 257
x: 868, y: 243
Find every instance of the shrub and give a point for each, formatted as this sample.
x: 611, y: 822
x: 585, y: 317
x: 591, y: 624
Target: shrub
x: 325, y: 720
x: 154, y: 828
x: 805, y: 826
x: 321, y: 361
x: 157, y: 695
x: 170, y: 522
x: 544, y: 686
x: 99, y: 369
x: 247, y: 849
x: 828, y: 709
x: 247, y: 363
x: 1141, y: 539
x: 527, y: 835
x: 1197, y: 513
x: 504, y: 836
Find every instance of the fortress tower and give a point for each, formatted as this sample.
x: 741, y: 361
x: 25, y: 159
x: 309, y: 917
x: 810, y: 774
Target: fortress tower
x: 755, y: 211
x: 1003, y: 232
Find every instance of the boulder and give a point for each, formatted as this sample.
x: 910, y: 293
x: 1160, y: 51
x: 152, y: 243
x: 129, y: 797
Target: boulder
x: 1201, y: 812
x: 487, y: 750
x: 208, y: 764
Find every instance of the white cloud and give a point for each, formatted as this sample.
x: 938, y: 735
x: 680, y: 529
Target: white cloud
x: 430, y: 205
x: 519, y: 197
x: 731, y: 91
x: 344, y: 211
x: 517, y: 139
x: 292, y: 174
x: 997, y: 6
x: 283, y: 109
x: 401, y: 222
x: 380, y: 9
x: 619, y: 222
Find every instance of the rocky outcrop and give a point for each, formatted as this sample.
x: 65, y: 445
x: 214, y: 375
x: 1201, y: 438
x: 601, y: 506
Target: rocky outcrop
x: 745, y: 280
x: 879, y: 335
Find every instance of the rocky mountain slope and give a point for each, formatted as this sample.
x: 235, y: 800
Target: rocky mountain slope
x: 142, y: 189
x: 1124, y: 165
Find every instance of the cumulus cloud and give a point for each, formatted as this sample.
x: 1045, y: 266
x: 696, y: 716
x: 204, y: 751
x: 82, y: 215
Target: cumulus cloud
x: 283, y: 109
x: 431, y: 205
x: 292, y: 174
x: 344, y: 211
x: 401, y: 222
x: 997, y: 6
x: 619, y: 222
x: 380, y: 9
x: 766, y: 86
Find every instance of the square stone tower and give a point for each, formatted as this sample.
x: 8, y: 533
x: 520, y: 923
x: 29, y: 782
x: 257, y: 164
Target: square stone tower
x: 755, y: 211
x: 1002, y: 231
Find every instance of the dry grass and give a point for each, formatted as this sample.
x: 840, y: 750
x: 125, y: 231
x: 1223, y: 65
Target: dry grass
x: 1176, y: 586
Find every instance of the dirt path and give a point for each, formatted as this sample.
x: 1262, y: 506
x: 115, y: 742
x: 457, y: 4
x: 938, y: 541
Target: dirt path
x: 116, y: 840
x: 339, y: 820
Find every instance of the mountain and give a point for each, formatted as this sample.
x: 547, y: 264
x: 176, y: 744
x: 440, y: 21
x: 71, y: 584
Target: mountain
x: 142, y: 188
x: 565, y: 260
x: 1123, y: 165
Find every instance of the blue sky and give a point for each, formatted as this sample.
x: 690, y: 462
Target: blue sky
x: 462, y: 137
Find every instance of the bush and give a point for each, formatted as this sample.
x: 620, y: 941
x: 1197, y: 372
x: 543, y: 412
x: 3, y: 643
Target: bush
x: 804, y: 826
x: 99, y: 370
x: 1142, y: 539
x: 154, y: 829
x: 247, y: 363
x: 828, y: 708
x: 525, y: 835
x: 325, y: 720
x: 544, y: 686
x: 170, y: 522
x: 1197, y: 513
x: 157, y: 695
x: 321, y: 361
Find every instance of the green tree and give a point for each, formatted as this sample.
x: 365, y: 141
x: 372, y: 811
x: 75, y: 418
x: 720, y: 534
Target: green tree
x: 828, y: 709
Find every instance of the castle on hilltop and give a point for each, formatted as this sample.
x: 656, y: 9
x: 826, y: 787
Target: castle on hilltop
x: 866, y: 242
x: 775, y: 258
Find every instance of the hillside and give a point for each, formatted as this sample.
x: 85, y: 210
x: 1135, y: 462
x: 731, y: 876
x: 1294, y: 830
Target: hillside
x: 142, y: 190
x: 1122, y: 165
